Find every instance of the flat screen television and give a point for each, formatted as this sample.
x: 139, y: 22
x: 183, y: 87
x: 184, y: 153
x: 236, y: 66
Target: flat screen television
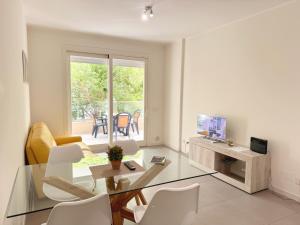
x: 213, y: 127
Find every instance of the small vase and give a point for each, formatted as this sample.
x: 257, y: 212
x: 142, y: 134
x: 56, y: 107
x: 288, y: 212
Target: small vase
x: 115, y: 164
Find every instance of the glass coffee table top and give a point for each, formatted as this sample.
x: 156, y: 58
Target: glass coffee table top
x: 30, y: 193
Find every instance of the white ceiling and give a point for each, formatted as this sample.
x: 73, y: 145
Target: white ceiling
x: 173, y: 19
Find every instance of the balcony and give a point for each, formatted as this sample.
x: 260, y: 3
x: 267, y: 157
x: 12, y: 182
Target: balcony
x: 84, y: 124
x: 84, y: 129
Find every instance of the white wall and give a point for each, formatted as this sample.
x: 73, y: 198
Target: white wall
x: 248, y: 71
x: 172, y: 94
x: 47, y: 74
x: 14, y: 96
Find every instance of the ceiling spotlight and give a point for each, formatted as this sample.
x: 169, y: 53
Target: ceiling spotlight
x: 151, y: 13
x: 145, y: 16
x: 148, y: 13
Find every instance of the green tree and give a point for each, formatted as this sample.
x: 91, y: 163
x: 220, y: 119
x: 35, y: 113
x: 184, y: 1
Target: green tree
x: 89, y: 89
x: 128, y: 88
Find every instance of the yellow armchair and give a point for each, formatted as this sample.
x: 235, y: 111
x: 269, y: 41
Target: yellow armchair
x: 40, y: 141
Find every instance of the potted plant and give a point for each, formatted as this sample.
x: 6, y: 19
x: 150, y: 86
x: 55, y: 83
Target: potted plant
x: 115, y: 156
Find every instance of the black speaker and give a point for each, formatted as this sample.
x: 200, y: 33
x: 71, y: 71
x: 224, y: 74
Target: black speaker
x: 259, y: 145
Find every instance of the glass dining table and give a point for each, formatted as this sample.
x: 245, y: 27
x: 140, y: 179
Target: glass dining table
x: 40, y: 187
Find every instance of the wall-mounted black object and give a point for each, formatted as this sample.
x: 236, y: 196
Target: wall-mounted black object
x: 259, y: 145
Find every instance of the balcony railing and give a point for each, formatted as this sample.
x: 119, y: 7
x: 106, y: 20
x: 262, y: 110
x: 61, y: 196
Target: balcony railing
x: 87, y: 111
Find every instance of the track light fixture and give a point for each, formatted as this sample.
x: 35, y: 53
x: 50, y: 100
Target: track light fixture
x: 148, y: 13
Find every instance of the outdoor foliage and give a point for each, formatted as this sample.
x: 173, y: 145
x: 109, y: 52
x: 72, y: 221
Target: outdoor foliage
x: 89, y: 89
x: 128, y: 88
x: 102, y: 159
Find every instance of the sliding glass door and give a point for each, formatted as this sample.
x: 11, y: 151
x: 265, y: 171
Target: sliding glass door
x: 89, y: 97
x: 128, y: 98
x: 107, y: 98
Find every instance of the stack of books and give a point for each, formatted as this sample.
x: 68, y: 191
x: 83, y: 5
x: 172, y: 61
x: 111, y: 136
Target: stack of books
x: 160, y: 160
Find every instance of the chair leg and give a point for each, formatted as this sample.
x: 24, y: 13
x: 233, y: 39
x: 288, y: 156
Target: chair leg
x: 96, y: 131
x: 137, y: 128
x: 93, y: 130
x: 105, y: 129
x: 132, y: 127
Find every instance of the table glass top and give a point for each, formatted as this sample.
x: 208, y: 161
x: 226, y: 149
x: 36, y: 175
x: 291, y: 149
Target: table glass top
x: 30, y: 193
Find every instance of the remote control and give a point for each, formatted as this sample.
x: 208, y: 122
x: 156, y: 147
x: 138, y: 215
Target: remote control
x: 129, y: 165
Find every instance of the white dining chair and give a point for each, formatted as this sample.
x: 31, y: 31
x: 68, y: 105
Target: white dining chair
x: 92, y: 211
x: 99, y: 149
x: 176, y: 206
x: 65, y: 154
x: 129, y: 147
x: 60, y: 165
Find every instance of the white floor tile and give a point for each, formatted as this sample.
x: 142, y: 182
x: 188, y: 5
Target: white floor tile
x: 290, y: 220
x: 268, y: 209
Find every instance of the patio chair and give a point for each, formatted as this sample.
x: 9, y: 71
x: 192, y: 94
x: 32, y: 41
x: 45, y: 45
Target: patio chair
x: 100, y: 122
x: 135, y: 121
x: 122, y: 123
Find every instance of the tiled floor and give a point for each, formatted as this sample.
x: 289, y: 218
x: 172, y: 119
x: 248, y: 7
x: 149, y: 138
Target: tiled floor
x: 222, y: 204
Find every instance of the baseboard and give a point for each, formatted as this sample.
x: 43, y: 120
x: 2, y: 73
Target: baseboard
x: 285, y: 193
x: 171, y: 147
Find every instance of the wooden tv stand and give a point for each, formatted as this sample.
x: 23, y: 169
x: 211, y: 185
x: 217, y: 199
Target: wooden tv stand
x: 238, y: 166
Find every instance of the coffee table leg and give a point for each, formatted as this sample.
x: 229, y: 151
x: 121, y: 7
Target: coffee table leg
x: 117, y: 218
x: 119, y: 202
x: 142, y: 197
x: 119, y: 209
